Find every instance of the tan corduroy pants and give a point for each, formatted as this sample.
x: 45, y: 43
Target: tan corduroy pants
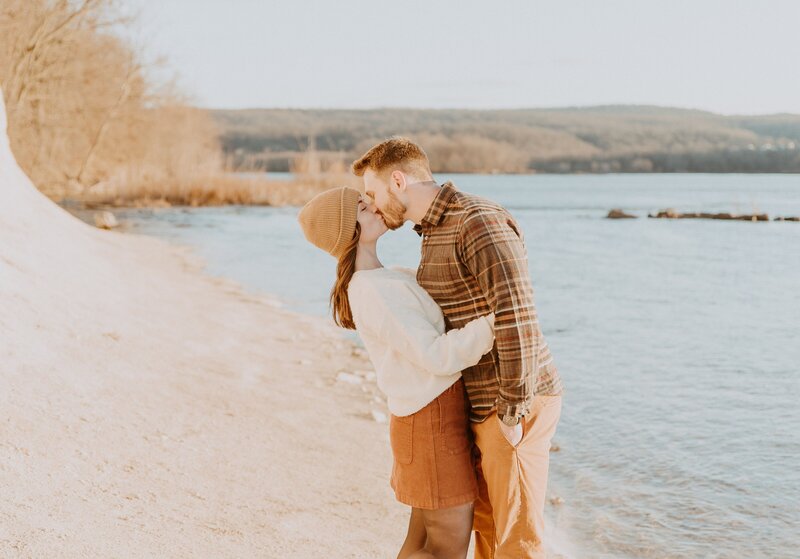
x: 512, y: 484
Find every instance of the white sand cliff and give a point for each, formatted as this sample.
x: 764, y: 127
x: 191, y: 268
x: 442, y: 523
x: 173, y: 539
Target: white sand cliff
x: 148, y: 410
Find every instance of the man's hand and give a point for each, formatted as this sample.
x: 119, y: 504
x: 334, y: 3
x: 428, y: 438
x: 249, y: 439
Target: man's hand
x: 512, y: 434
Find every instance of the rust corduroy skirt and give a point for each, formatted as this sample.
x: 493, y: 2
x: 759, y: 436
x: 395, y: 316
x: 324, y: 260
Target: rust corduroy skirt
x: 432, y: 449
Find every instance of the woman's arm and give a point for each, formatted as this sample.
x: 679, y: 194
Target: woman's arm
x: 398, y: 319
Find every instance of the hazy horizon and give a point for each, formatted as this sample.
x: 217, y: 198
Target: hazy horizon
x: 521, y: 108
x: 709, y: 55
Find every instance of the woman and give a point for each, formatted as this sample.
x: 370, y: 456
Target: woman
x: 418, y: 368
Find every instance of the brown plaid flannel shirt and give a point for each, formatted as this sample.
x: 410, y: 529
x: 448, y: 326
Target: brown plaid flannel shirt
x: 474, y: 262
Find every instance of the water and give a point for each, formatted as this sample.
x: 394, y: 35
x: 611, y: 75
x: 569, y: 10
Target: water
x: 677, y: 342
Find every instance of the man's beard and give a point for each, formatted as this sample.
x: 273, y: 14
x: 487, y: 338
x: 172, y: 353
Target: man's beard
x: 394, y: 213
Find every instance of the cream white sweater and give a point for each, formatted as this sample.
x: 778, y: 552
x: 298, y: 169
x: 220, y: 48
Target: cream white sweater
x: 403, y: 330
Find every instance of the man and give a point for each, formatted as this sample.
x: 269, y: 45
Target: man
x: 474, y: 262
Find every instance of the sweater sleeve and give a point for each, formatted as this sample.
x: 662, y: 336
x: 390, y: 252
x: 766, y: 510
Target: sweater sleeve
x: 397, y: 317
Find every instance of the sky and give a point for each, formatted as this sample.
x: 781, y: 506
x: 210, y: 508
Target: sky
x: 726, y: 56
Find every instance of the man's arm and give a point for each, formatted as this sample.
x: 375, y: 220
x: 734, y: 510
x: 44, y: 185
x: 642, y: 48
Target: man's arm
x: 494, y: 252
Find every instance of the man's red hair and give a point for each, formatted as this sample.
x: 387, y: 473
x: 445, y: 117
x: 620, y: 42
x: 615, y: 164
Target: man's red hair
x: 395, y: 153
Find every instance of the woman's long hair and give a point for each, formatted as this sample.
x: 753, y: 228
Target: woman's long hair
x: 340, y: 303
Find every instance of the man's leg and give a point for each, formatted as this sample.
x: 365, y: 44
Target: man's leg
x: 483, y: 520
x: 516, y: 481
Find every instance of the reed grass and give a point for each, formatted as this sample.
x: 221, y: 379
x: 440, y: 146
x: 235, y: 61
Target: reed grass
x: 218, y: 189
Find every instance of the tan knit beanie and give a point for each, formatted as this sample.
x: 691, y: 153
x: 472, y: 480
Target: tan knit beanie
x: 329, y: 219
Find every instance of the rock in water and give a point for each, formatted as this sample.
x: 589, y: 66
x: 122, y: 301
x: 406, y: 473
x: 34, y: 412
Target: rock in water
x: 105, y: 220
x: 617, y: 213
x: 668, y: 213
x: 671, y: 213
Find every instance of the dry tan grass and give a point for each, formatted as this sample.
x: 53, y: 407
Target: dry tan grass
x: 305, y: 186
x: 83, y: 112
x: 215, y: 190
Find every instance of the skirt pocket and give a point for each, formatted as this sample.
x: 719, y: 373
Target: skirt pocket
x: 454, y: 430
x: 401, y: 438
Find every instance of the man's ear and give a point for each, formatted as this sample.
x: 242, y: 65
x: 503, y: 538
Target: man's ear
x: 399, y: 180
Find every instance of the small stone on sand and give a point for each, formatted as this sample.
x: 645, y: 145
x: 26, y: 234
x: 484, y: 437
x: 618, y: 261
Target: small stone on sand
x: 349, y: 378
x: 368, y: 375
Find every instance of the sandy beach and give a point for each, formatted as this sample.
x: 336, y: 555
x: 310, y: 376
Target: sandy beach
x: 149, y: 410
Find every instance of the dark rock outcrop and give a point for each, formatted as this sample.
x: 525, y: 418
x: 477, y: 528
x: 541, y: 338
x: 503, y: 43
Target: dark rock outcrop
x: 670, y: 213
x: 617, y: 213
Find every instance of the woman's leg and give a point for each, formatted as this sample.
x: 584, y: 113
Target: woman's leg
x: 415, y: 539
x: 448, y: 531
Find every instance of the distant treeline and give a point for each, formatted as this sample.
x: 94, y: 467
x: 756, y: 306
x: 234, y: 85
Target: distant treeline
x: 571, y: 140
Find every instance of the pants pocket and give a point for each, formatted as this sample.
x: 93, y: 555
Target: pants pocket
x: 497, y: 425
x: 401, y: 438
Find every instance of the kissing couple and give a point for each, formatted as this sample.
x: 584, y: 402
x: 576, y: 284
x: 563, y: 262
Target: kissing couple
x: 473, y: 391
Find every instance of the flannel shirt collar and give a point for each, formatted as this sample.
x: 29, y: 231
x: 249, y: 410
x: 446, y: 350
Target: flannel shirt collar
x: 437, y: 209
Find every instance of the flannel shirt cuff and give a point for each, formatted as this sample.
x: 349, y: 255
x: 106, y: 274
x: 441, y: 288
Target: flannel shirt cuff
x: 507, y: 408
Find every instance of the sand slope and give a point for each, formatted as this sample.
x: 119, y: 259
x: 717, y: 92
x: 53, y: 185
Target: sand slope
x: 147, y: 410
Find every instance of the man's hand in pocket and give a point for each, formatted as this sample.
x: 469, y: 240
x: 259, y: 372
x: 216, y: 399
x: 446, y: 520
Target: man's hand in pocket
x: 512, y: 434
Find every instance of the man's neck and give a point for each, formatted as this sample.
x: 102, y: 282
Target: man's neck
x: 421, y: 198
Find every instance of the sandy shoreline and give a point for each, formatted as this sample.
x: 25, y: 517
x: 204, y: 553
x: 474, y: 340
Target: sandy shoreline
x: 149, y: 410
x: 195, y: 420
